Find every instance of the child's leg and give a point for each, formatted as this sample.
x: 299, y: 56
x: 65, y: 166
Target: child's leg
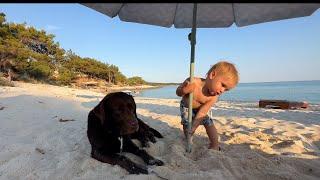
x: 213, y: 137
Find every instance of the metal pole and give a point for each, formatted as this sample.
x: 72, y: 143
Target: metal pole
x: 193, y: 44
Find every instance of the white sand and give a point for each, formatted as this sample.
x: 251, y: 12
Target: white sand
x: 257, y: 143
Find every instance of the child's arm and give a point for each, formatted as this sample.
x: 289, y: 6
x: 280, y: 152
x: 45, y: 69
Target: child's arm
x: 185, y: 88
x: 203, y: 110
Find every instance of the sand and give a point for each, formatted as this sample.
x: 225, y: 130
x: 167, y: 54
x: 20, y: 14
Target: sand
x: 43, y: 136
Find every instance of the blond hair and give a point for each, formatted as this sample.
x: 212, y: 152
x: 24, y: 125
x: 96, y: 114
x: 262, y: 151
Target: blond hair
x: 226, y: 69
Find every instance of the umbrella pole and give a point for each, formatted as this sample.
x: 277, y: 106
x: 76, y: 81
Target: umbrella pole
x: 193, y: 44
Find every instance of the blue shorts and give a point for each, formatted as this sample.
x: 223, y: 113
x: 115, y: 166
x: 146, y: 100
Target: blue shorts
x: 207, y: 121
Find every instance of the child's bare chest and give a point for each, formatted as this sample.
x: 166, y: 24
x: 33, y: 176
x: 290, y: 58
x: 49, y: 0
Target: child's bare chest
x: 198, y: 99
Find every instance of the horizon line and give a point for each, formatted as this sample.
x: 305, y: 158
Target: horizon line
x: 246, y: 82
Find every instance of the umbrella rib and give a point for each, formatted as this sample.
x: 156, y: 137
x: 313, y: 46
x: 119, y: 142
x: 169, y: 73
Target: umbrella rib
x: 117, y: 14
x: 175, y: 12
x: 233, y: 13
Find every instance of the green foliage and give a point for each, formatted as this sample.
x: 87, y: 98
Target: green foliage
x: 135, y: 81
x: 2, y: 18
x: 65, y: 77
x: 39, y: 70
x: 35, y: 54
x: 94, y: 68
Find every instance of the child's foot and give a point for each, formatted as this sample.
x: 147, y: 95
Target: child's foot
x: 217, y: 148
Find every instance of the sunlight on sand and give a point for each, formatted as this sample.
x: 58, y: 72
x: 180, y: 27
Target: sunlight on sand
x: 43, y: 136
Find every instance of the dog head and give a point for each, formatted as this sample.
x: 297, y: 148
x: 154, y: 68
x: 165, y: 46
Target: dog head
x: 117, y: 113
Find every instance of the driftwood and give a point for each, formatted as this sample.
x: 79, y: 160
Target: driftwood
x: 282, y: 104
x: 65, y: 120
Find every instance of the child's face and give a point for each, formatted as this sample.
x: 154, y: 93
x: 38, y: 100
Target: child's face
x: 216, y: 84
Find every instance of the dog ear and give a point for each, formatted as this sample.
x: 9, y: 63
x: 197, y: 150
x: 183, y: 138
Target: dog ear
x: 99, y: 110
x: 135, y: 106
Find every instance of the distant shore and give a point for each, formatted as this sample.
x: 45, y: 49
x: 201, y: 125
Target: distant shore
x: 133, y: 88
x: 108, y: 89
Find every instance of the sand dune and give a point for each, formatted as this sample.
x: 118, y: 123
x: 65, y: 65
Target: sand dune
x: 43, y: 136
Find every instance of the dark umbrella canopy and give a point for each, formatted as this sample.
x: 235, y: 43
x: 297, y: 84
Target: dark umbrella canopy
x: 209, y: 15
x: 202, y: 15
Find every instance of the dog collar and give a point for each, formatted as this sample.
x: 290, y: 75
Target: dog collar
x: 121, y: 143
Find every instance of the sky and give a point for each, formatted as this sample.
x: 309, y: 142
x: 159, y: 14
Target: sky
x: 286, y: 50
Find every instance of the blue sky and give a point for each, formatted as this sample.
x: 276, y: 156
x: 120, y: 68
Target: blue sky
x: 286, y: 50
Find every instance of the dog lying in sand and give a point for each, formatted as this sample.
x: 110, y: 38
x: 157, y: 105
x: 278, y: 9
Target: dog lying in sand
x: 111, y: 126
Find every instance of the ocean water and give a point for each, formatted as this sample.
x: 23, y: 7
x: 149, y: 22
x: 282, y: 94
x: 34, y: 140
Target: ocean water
x: 252, y: 92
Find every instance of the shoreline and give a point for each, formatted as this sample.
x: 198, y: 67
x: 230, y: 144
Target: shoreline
x: 114, y: 88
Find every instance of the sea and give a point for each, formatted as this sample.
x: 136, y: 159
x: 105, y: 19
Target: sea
x: 252, y: 92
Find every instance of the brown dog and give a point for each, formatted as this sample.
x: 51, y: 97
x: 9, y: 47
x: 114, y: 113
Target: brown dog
x: 111, y: 126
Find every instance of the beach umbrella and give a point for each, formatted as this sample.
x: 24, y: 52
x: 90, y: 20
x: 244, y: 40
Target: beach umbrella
x: 202, y: 15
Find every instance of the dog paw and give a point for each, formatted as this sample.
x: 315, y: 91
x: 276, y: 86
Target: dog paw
x: 145, y: 144
x: 155, y: 162
x: 152, y: 139
x: 137, y: 169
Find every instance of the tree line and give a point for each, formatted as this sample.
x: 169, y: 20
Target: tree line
x: 27, y: 53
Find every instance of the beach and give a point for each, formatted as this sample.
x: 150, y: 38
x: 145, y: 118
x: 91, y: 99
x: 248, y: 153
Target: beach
x: 43, y: 136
